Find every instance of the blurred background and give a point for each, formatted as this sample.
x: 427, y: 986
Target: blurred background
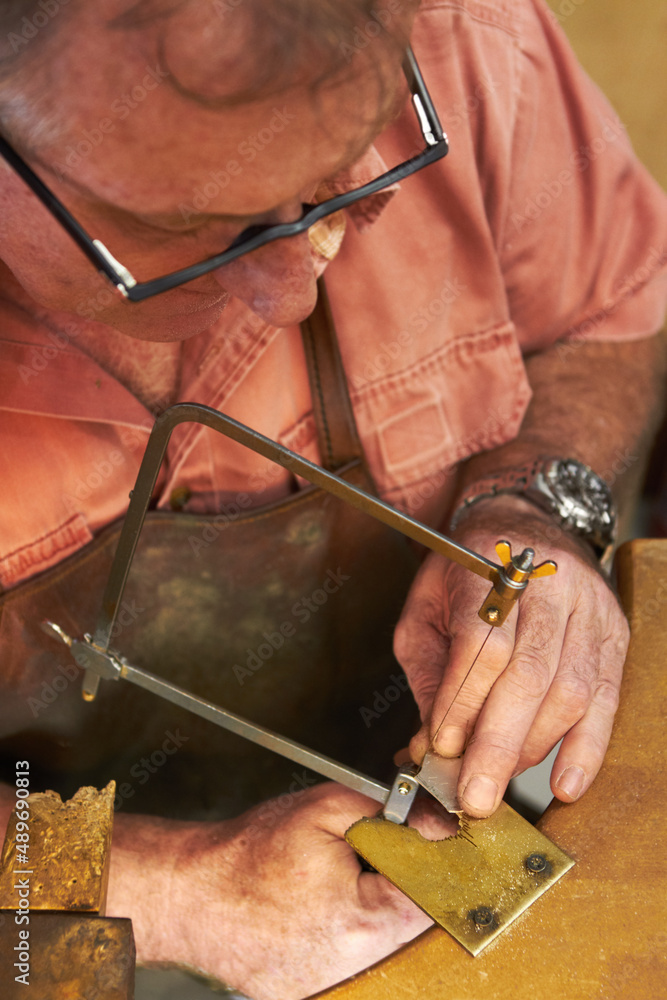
x: 623, y: 44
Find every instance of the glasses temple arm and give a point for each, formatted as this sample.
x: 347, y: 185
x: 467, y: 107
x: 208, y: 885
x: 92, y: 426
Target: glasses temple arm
x: 421, y: 98
x: 95, y: 251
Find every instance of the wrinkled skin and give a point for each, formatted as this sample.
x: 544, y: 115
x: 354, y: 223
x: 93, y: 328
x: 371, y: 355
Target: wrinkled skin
x: 282, y: 905
x: 553, y: 670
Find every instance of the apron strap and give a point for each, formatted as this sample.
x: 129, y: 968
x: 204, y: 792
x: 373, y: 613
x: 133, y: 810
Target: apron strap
x: 337, y: 434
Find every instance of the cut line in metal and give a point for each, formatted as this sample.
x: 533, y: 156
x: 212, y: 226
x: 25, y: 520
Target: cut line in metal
x: 473, y: 884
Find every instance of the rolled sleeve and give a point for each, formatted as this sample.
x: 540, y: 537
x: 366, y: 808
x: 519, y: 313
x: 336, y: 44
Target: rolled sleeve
x: 584, y: 241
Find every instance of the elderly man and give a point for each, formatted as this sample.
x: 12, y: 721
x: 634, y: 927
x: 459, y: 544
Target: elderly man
x: 495, y: 317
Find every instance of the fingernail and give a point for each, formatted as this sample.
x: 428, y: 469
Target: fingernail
x: 480, y: 794
x: 571, y: 782
x: 450, y: 741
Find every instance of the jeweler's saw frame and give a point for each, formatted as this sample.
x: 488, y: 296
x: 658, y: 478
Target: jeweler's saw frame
x: 473, y: 884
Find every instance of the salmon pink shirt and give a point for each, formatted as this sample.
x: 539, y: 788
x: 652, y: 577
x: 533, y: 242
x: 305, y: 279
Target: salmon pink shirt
x: 539, y: 226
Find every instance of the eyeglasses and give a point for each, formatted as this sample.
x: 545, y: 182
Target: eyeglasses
x: 254, y: 236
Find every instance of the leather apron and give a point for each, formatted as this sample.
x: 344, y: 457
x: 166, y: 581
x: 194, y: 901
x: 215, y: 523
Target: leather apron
x: 286, y: 617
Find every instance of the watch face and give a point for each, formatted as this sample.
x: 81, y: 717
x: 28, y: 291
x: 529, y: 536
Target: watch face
x: 583, y: 497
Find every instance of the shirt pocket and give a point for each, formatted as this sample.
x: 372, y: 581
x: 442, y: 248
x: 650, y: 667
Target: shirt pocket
x: 45, y: 551
x: 467, y: 396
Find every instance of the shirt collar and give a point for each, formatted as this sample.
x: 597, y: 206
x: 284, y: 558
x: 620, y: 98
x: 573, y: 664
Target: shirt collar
x: 326, y: 236
x: 363, y: 213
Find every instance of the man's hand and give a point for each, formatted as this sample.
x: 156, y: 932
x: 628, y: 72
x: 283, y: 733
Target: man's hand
x: 553, y: 670
x: 274, y: 903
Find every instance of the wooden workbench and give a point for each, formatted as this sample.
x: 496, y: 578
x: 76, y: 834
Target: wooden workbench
x: 601, y: 932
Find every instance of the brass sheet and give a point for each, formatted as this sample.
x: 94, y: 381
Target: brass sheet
x: 601, y: 932
x: 68, y: 852
x: 473, y: 884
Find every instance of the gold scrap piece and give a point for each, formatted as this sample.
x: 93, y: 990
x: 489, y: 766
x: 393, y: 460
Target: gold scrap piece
x: 68, y: 851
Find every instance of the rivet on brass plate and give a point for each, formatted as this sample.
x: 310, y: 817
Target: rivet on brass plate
x: 473, y: 884
x: 482, y: 916
x: 536, y: 863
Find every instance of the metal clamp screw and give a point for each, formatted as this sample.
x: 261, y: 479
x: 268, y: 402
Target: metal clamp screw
x: 402, y: 794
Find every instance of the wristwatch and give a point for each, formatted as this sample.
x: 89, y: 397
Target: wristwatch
x: 578, y: 499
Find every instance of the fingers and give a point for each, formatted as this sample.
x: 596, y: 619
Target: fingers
x: 434, y: 823
x: 421, y: 645
x: 572, y: 688
x: 436, y: 656
x: 334, y: 808
x: 562, y: 680
x: 583, y: 748
x: 552, y: 671
x: 478, y: 656
x: 432, y: 820
x: 511, y: 707
x: 419, y: 744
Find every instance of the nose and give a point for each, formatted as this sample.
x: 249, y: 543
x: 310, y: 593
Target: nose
x: 277, y: 282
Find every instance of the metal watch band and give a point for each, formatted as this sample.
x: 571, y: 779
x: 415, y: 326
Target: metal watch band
x: 578, y: 499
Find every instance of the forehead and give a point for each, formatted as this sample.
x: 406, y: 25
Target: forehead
x: 134, y: 134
